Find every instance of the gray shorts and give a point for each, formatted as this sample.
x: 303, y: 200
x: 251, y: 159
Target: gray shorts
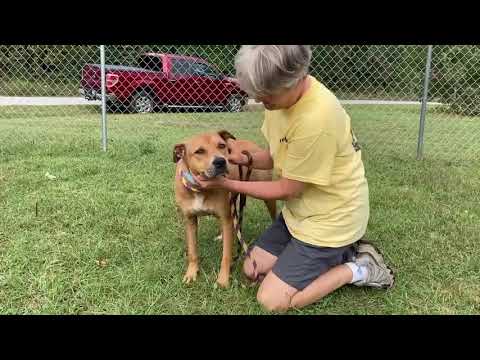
x: 300, y: 263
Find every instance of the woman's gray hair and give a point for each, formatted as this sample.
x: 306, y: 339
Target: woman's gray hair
x: 267, y: 69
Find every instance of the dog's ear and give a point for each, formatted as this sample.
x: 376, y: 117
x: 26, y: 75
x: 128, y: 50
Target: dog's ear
x: 225, y: 135
x: 178, y: 152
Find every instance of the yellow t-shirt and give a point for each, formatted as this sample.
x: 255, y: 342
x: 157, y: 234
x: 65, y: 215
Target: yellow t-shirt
x: 313, y: 142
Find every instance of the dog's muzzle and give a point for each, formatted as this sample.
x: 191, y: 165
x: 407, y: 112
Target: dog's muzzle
x: 219, y: 167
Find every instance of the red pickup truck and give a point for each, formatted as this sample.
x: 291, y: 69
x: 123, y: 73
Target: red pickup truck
x: 164, y: 81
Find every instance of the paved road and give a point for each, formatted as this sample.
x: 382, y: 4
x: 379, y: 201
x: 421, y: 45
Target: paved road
x: 62, y: 101
x: 41, y: 101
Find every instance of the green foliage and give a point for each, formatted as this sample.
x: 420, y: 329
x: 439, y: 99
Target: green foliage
x: 456, y: 78
x: 359, y: 71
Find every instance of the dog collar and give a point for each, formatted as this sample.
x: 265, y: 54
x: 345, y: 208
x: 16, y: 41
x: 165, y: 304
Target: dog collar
x: 189, y: 181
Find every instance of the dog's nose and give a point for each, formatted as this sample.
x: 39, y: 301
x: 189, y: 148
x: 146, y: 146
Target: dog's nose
x: 219, y: 162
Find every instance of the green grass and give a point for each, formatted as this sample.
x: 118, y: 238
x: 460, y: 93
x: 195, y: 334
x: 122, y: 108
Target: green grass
x: 104, y: 237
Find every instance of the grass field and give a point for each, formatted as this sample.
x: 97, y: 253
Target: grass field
x: 104, y: 236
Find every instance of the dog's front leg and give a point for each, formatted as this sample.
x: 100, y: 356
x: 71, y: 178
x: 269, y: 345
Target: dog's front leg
x: 227, y: 236
x: 192, y: 255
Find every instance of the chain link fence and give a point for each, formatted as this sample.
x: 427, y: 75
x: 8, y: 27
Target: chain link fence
x: 154, y: 89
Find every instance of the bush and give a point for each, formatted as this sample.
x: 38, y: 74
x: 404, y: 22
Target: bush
x: 467, y: 101
x: 378, y: 71
x: 456, y: 78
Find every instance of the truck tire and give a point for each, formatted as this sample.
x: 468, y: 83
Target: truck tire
x: 112, y: 107
x: 142, y: 102
x: 235, y: 103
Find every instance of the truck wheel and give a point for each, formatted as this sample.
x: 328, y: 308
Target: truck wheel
x: 112, y: 107
x: 235, y: 103
x: 142, y: 102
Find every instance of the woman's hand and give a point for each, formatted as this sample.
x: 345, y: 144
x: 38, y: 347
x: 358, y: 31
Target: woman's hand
x: 237, y: 158
x: 214, y: 183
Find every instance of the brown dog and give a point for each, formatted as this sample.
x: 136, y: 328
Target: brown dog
x: 207, y: 154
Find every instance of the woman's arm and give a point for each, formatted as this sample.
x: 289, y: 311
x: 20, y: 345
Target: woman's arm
x: 261, y: 160
x: 283, y: 189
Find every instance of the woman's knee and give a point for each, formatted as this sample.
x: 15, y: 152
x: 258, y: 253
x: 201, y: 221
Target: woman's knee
x: 273, y: 301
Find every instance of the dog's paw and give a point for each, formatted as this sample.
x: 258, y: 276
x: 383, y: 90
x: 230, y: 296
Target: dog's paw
x: 223, y: 280
x: 191, y: 274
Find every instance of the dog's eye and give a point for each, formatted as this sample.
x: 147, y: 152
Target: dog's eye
x: 221, y: 146
x: 200, y: 151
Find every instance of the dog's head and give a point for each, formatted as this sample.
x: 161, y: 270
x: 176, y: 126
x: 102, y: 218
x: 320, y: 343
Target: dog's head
x: 205, y: 153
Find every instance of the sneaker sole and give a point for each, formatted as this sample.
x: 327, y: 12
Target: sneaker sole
x: 393, y: 278
x: 370, y: 249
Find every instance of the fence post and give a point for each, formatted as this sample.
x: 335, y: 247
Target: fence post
x: 104, y: 104
x: 423, y: 110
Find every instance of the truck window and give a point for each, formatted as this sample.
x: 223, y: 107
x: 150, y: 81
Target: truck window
x: 203, y: 69
x: 152, y: 63
x: 182, y: 67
